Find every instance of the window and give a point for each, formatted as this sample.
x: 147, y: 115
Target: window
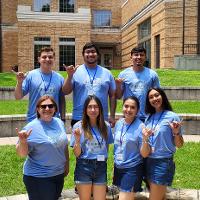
x: 145, y: 29
x: 41, y: 5
x: 144, y: 36
x: 67, y: 6
x: 40, y: 42
x: 101, y: 18
x: 66, y: 52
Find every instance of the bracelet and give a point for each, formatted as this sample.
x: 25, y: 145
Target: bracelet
x: 77, y: 145
x: 145, y: 141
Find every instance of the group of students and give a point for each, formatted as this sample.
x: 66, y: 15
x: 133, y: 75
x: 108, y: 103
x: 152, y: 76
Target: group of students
x: 145, y: 138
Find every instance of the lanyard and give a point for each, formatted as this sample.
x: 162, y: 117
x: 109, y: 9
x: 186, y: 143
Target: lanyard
x: 100, y: 143
x: 91, y: 78
x: 122, y: 131
x: 46, y: 87
x: 154, y: 126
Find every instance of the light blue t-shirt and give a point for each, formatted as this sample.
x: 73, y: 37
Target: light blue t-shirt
x: 92, y: 148
x: 162, y: 141
x: 137, y: 84
x: 127, y: 143
x: 47, y: 145
x: 37, y: 84
x: 86, y: 81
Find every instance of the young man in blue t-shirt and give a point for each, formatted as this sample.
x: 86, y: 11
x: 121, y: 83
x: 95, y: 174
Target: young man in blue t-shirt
x: 39, y: 82
x: 90, y: 79
x: 137, y: 80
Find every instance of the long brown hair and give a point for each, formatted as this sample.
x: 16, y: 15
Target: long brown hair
x: 101, y: 125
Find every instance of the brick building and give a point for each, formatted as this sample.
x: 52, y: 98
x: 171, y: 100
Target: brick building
x: 115, y: 26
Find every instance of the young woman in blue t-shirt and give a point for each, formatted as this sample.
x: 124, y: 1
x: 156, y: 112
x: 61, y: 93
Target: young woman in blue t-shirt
x: 128, y: 162
x: 90, y: 140
x: 161, y: 135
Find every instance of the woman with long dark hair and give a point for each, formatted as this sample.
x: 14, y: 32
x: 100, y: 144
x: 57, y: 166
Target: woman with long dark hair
x: 90, y: 140
x: 128, y: 162
x: 161, y: 135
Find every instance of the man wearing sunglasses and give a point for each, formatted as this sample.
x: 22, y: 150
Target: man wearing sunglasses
x: 39, y: 82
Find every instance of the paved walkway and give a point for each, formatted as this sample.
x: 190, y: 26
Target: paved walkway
x: 173, y: 194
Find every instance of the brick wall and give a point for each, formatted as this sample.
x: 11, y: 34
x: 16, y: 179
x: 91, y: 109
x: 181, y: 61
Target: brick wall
x: 27, y: 32
x: 166, y: 21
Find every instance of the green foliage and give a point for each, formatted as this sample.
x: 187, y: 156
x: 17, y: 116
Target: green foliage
x: 8, y: 107
x: 187, y: 175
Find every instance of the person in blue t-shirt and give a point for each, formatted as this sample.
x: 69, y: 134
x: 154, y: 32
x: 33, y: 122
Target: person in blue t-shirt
x: 90, y: 140
x: 41, y: 81
x: 128, y: 162
x: 90, y: 79
x: 161, y: 135
x: 43, y: 142
x: 137, y: 80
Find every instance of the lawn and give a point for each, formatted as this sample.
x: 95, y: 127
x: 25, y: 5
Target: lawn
x: 187, y: 169
x: 9, y: 107
x: 168, y: 77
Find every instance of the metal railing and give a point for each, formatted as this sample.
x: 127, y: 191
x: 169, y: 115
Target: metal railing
x: 192, y: 49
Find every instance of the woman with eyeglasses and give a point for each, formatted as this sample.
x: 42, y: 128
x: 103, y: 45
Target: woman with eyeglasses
x: 90, y: 140
x: 44, y: 143
x: 128, y: 162
x: 161, y: 135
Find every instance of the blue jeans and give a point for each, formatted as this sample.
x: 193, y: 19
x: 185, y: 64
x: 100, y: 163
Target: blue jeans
x: 49, y: 188
x: 160, y: 170
x: 90, y: 171
x: 129, y: 179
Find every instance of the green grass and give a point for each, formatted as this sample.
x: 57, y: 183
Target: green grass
x: 8, y: 107
x: 168, y: 77
x: 187, y: 169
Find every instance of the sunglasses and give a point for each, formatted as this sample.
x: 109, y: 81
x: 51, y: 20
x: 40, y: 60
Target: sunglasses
x: 50, y: 106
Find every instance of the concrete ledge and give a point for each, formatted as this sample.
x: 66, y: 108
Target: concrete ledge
x: 8, y: 123
x: 173, y: 93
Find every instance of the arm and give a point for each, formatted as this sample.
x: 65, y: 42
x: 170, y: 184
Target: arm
x: 67, y: 161
x: 68, y: 87
x: 119, y: 90
x: 77, y: 145
x: 22, y: 145
x: 112, y: 103
x: 145, y: 149
x: 18, y: 88
x: 178, y: 139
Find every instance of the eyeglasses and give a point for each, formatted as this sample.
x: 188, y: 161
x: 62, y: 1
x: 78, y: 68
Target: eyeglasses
x: 95, y: 107
x: 50, y: 106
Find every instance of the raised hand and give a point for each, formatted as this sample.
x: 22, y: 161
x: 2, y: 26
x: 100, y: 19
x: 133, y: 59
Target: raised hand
x: 23, y: 135
x: 175, y: 126
x: 20, y: 76
x: 77, y: 135
x: 146, y: 132
x: 70, y: 69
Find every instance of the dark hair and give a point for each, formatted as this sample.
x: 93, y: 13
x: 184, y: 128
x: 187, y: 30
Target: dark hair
x: 101, y: 125
x: 90, y: 45
x: 46, y: 49
x: 149, y: 109
x: 134, y: 99
x: 44, y: 98
x: 138, y: 49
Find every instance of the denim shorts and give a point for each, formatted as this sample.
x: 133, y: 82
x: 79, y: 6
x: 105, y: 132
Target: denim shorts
x: 160, y: 170
x: 128, y: 179
x: 90, y: 171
